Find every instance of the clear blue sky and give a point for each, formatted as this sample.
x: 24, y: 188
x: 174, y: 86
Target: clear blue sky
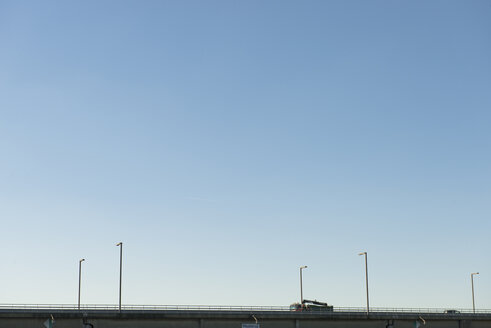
x: 227, y: 143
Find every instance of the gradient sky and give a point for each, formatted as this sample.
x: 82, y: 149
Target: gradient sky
x: 227, y: 143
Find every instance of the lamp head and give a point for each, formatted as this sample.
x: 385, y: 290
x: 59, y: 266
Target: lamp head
x: 81, y: 260
x: 362, y: 253
x: 119, y: 244
x: 303, y: 267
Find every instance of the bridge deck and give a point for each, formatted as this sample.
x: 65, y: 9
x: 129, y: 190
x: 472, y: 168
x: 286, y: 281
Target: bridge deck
x: 245, y: 313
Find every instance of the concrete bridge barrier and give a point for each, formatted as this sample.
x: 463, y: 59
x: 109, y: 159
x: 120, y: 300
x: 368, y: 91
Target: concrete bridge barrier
x: 97, y: 318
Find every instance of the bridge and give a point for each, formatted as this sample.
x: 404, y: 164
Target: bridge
x: 109, y: 316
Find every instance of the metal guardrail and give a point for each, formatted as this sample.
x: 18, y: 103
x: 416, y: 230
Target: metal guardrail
x: 110, y: 307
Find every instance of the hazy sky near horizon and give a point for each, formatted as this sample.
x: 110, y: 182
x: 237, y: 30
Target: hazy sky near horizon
x: 227, y: 143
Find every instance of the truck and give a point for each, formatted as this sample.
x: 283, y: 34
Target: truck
x: 308, y: 305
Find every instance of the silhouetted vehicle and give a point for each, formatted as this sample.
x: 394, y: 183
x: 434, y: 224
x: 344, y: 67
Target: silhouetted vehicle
x: 308, y: 305
x: 451, y: 311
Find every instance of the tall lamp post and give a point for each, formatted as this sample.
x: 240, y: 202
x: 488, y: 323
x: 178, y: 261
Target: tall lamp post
x: 472, y: 284
x: 301, y: 288
x: 79, y: 279
x: 366, y: 278
x: 120, y: 244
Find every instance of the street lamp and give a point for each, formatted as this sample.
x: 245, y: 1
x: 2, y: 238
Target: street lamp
x: 120, y: 270
x: 366, y: 278
x: 472, y: 284
x: 301, y: 289
x: 79, y: 279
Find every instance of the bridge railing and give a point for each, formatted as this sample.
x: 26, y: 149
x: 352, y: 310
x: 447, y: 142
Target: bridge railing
x: 149, y: 308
